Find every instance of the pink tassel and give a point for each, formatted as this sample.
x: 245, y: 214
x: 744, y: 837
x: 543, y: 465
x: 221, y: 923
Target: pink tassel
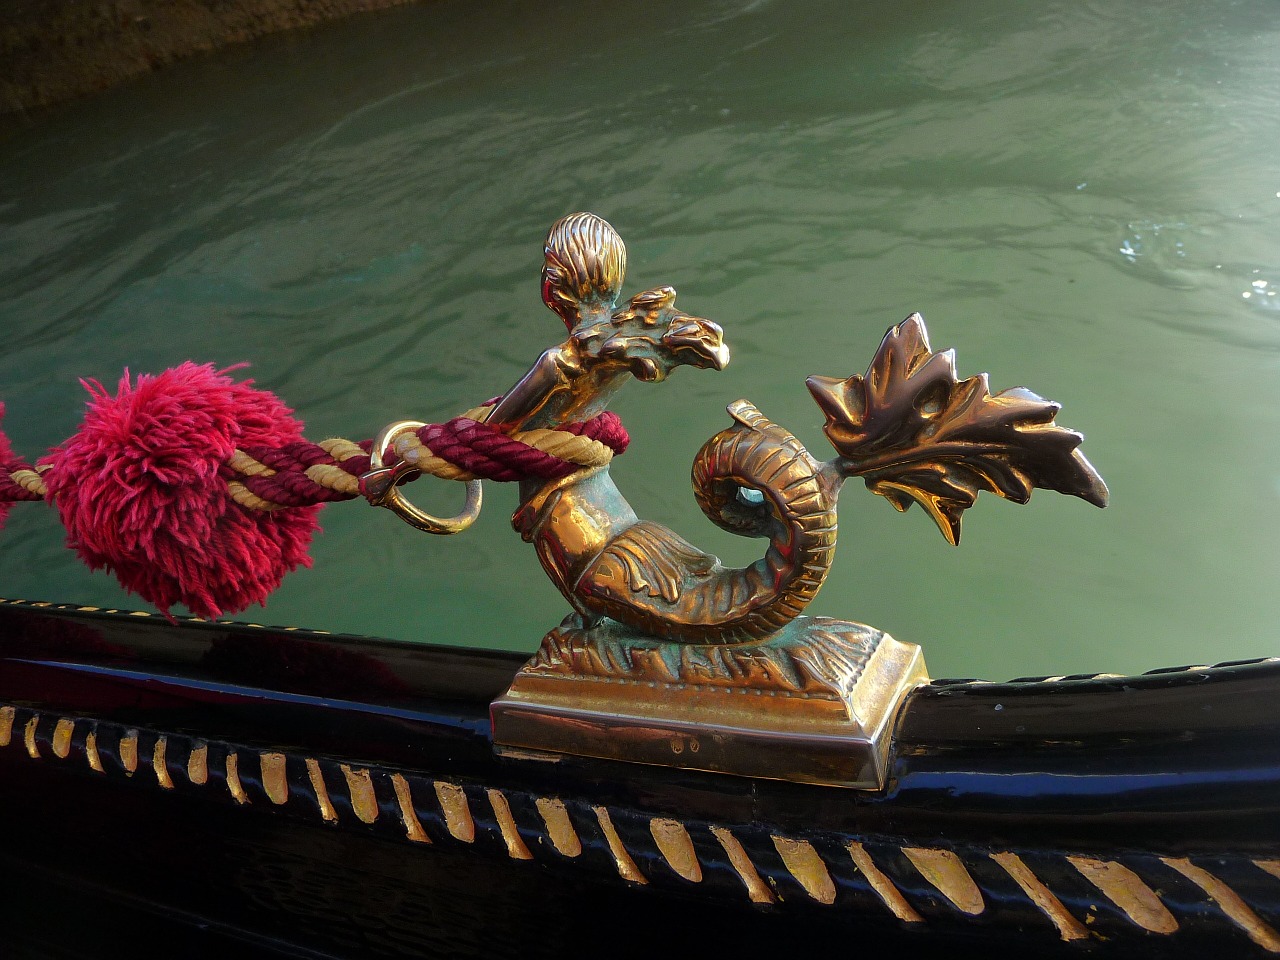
x: 141, y: 489
x: 6, y: 458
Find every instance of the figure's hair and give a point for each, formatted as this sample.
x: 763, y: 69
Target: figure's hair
x: 585, y: 262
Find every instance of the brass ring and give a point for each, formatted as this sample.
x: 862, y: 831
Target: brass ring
x: 399, y: 504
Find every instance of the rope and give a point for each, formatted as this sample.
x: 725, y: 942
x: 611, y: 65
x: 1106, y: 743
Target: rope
x: 465, y: 448
x: 20, y: 481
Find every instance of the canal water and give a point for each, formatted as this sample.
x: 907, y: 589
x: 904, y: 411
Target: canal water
x: 1080, y: 197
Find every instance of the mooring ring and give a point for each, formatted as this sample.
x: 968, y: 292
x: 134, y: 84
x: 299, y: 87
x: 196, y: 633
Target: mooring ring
x: 379, y: 485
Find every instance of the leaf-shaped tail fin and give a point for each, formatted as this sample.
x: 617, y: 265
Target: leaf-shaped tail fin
x: 917, y: 434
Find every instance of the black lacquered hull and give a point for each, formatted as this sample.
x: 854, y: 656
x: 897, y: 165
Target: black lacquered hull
x: 215, y: 787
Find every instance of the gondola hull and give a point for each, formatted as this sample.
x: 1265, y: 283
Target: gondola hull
x: 192, y: 785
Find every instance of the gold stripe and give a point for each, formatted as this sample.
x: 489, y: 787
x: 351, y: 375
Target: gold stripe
x: 91, y: 751
x: 1226, y: 898
x: 1127, y: 891
x: 198, y: 765
x: 247, y: 498
x: 1069, y: 928
x: 559, y: 827
x: 322, y: 792
x: 6, y: 725
x: 333, y: 478
x: 408, y: 816
x: 507, y: 823
x: 1271, y: 866
x: 32, y: 482
x: 275, y: 779
x: 364, y: 802
x: 582, y: 451
x: 241, y: 462
x: 676, y: 847
x: 456, y: 810
x: 159, y: 765
x: 62, y: 732
x: 627, y: 868
x: 756, y: 888
x: 341, y: 449
x: 29, y: 737
x: 882, y: 885
x: 807, y: 867
x: 408, y: 447
x: 947, y: 872
x: 233, y: 778
x: 129, y: 752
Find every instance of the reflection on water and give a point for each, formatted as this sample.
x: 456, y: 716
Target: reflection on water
x: 1079, y: 197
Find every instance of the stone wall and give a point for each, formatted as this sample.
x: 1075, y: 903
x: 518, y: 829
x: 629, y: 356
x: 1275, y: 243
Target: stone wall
x: 54, y: 50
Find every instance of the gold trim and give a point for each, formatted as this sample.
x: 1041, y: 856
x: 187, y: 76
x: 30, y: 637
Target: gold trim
x: 198, y: 765
x: 882, y: 885
x: 507, y: 824
x: 807, y: 867
x: 233, y: 778
x: 676, y: 847
x: 62, y: 733
x: 364, y: 801
x: 275, y: 779
x: 1271, y: 866
x: 6, y: 725
x: 1127, y: 891
x: 408, y: 816
x: 29, y: 737
x: 627, y: 868
x: 947, y: 873
x: 456, y: 810
x: 1069, y: 928
x: 159, y: 764
x: 129, y: 752
x: 559, y: 826
x: 322, y: 792
x: 944, y: 869
x: 1229, y: 901
x: 757, y: 890
x: 91, y: 752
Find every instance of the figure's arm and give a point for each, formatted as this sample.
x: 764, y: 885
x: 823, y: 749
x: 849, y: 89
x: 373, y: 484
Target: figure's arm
x: 552, y: 374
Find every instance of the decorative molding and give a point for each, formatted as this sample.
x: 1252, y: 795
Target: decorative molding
x: 1138, y: 893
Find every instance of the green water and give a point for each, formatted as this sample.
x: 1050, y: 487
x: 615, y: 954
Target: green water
x: 1084, y: 198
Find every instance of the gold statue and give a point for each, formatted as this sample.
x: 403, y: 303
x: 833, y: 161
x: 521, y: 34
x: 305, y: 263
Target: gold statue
x: 662, y: 633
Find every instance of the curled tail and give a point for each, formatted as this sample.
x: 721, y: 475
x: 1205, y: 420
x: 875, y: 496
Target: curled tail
x: 909, y: 428
x: 753, y: 479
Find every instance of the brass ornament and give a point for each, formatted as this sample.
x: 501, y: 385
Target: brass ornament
x: 669, y: 657
x: 381, y: 486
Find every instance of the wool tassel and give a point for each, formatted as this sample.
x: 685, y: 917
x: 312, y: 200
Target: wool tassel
x: 141, y: 489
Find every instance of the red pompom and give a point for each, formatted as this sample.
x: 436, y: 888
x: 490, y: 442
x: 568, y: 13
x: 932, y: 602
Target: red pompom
x: 6, y: 456
x: 142, y: 492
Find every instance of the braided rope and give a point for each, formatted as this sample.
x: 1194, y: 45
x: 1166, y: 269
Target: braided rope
x: 32, y: 481
x: 464, y: 448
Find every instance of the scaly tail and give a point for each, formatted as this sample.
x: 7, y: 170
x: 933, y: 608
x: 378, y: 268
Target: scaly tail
x: 916, y: 434
x: 753, y: 479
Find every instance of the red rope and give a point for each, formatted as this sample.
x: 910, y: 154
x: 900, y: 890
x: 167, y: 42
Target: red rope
x: 474, y: 446
x: 10, y: 490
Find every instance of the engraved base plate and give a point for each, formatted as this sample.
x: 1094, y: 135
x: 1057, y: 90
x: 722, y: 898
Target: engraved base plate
x: 815, y: 703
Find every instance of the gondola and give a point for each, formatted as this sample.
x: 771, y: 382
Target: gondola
x: 193, y: 787
x: 687, y: 765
